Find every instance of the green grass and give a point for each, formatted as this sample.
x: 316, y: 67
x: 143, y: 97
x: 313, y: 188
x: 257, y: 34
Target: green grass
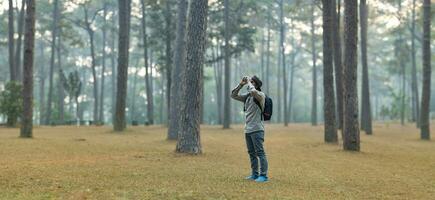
x: 95, y: 163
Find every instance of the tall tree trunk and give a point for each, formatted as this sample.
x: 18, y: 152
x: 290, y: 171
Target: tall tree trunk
x: 147, y: 70
x: 103, y: 70
x: 403, y: 71
x: 60, y: 89
x: 42, y: 77
x: 168, y: 19
x: 292, y: 75
x: 17, y: 62
x: 338, y: 63
x: 415, y: 96
x: 262, y: 55
x: 133, y: 95
x: 314, y: 56
x: 91, y: 34
x: 328, y: 73
x: 366, y: 117
x: 189, y: 135
x: 425, y: 100
x: 123, y: 47
x: 351, y: 136
x: 29, y: 47
x: 52, y: 59
x: 268, y: 55
x: 227, y: 75
x: 283, y: 66
x: 218, y: 82
x: 11, y: 41
x: 112, y: 64
x: 177, y: 70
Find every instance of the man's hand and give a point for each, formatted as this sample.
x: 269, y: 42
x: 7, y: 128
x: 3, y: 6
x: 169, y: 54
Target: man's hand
x: 244, y: 80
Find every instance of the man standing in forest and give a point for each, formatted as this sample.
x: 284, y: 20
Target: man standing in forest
x: 254, y: 103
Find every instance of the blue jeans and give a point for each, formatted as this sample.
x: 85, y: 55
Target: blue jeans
x: 254, y: 142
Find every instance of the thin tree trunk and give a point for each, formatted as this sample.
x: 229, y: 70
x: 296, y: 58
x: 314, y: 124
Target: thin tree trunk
x: 262, y: 55
x: 403, y: 72
x: 147, y: 70
x: 351, y: 136
x: 60, y: 89
x: 168, y: 19
x: 189, y: 135
x: 292, y: 75
x: 123, y: 47
x: 314, y: 56
x: 112, y: 63
x: 11, y: 41
x: 268, y: 55
x: 179, y: 65
x: 366, y: 117
x: 282, y: 52
x: 415, y: 95
x: 93, y: 67
x: 338, y: 63
x: 52, y: 59
x: 227, y: 75
x: 103, y: 70
x: 42, y: 77
x: 133, y: 95
x: 17, y: 62
x: 425, y: 100
x: 29, y: 46
x: 328, y: 73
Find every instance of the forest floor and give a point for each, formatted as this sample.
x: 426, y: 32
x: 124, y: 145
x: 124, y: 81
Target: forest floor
x: 96, y: 163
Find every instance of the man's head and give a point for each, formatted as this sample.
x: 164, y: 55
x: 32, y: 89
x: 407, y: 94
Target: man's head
x: 256, y: 82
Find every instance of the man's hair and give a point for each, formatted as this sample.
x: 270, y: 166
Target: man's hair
x: 257, y: 82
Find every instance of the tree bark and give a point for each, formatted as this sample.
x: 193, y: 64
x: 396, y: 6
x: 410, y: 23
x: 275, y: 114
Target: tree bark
x: 123, y: 47
x: 189, y: 136
x: 268, y: 55
x: 148, y: 86
x: 11, y: 41
x: 403, y: 71
x: 227, y: 76
x: 415, y: 94
x: 328, y: 73
x: 168, y: 40
x: 425, y: 100
x: 29, y: 46
x: 103, y: 70
x: 338, y: 63
x: 366, y: 117
x: 314, y: 56
x: 60, y: 89
x: 351, y: 136
x: 177, y: 70
x: 283, y: 67
x: 52, y: 59
x: 17, y: 62
x: 42, y: 77
x: 113, y: 66
x: 91, y: 34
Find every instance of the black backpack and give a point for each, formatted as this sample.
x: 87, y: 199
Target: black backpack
x: 268, y: 107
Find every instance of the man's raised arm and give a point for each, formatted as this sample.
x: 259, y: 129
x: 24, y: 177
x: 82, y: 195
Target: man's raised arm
x: 235, y: 93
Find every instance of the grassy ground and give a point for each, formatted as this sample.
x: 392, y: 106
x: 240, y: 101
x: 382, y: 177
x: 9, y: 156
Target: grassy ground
x: 95, y: 163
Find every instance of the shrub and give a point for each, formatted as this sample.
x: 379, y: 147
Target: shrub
x: 11, y: 102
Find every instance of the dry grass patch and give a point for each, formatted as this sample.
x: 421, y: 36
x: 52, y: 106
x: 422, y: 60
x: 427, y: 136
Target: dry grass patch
x: 96, y: 163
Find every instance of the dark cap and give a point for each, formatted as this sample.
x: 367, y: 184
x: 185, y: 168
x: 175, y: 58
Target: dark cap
x: 257, y: 81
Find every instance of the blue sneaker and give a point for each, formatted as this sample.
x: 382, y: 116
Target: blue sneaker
x: 252, y: 177
x: 262, y: 179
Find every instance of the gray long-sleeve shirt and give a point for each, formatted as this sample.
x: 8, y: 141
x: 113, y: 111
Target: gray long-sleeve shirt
x: 253, y: 113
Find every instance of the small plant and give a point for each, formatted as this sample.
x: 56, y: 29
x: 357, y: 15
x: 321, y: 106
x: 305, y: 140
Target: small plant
x: 11, y: 102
